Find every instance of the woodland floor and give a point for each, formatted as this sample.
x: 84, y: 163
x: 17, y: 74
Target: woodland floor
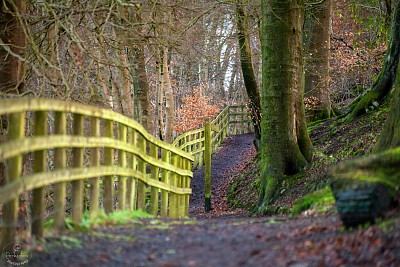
x: 229, y: 237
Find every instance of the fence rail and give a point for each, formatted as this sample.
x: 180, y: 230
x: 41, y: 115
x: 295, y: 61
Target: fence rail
x: 102, y: 158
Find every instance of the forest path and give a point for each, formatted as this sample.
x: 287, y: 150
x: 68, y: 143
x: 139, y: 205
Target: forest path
x: 225, y: 237
x: 229, y: 157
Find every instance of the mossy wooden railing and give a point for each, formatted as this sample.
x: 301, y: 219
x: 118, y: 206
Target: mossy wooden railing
x: 96, y: 157
x: 202, y: 142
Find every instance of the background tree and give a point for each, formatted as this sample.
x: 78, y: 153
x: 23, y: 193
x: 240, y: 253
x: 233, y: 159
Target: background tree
x: 141, y: 74
x: 285, y: 147
x: 12, y: 56
x: 194, y: 109
x: 249, y: 77
x: 12, y: 47
x: 317, y: 56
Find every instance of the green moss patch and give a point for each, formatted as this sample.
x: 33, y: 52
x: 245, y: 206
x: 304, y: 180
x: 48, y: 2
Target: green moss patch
x: 319, y: 201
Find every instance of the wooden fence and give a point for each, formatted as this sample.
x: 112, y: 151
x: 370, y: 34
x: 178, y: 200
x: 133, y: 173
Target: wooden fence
x: 102, y: 158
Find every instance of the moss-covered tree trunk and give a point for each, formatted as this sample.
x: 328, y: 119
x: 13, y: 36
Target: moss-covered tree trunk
x: 317, y: 59
x: 366, y: 187
x: 390, y: 136
x: 387, y: 76
x: 249, y: 78
x: 285, y: 145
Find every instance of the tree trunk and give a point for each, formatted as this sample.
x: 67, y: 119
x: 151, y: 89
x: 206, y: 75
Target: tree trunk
x: 169, y: 99
x: 12, y: 68
x: 143, y: 85
x: 12, y: 47
x: 231, y: 85
x: 390, y: 136
x: 387, y: 76
x: 248, y: 73
x: 317, y: 63
x: 285, y: 144
x: 160, y: 95
x: 12, y: 56
x: 126, y: 87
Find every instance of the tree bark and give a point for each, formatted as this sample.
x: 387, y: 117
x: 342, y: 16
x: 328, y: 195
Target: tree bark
x: 285, y: 145
x: 390, y: 136
x: 12, y: 47
x: 127, y: 101
x: 387, y: 76
x: 126, y: 89
x: 169, y: 99
x: 317, y: 63
x: 160, y: 95
x: 143, y: 85
x: 248, y: 73
x: 12, y: 56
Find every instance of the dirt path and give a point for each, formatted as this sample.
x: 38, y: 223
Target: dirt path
x: 233, y: 152
x: 226, y: 242
x: 225, y: 237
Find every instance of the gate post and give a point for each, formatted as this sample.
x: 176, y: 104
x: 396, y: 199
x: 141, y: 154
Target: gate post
x: 207, y: 165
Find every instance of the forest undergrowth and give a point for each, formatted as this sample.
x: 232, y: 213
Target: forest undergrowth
x: 334, y: 141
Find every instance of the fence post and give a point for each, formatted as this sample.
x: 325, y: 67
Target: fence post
x: 154, y: 175
x: 249, y: 123
x: 165, y: 154
x: 16, y: 127
x: 201, y: 153
x: 141, y: 187
x: 77, y: 162
x: 39, y: 165
x: 94, y: 162
x: 188, y: 166
x: 108, y: 200
x: 207, y: 165
x: 60, y: 161
x: 130, y: 183
x: 133, y: 163
x: 242, y: 123
x: 228, y: 116
x: 173, y: 197
x: 122, y: 130
x: 181, y: 184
